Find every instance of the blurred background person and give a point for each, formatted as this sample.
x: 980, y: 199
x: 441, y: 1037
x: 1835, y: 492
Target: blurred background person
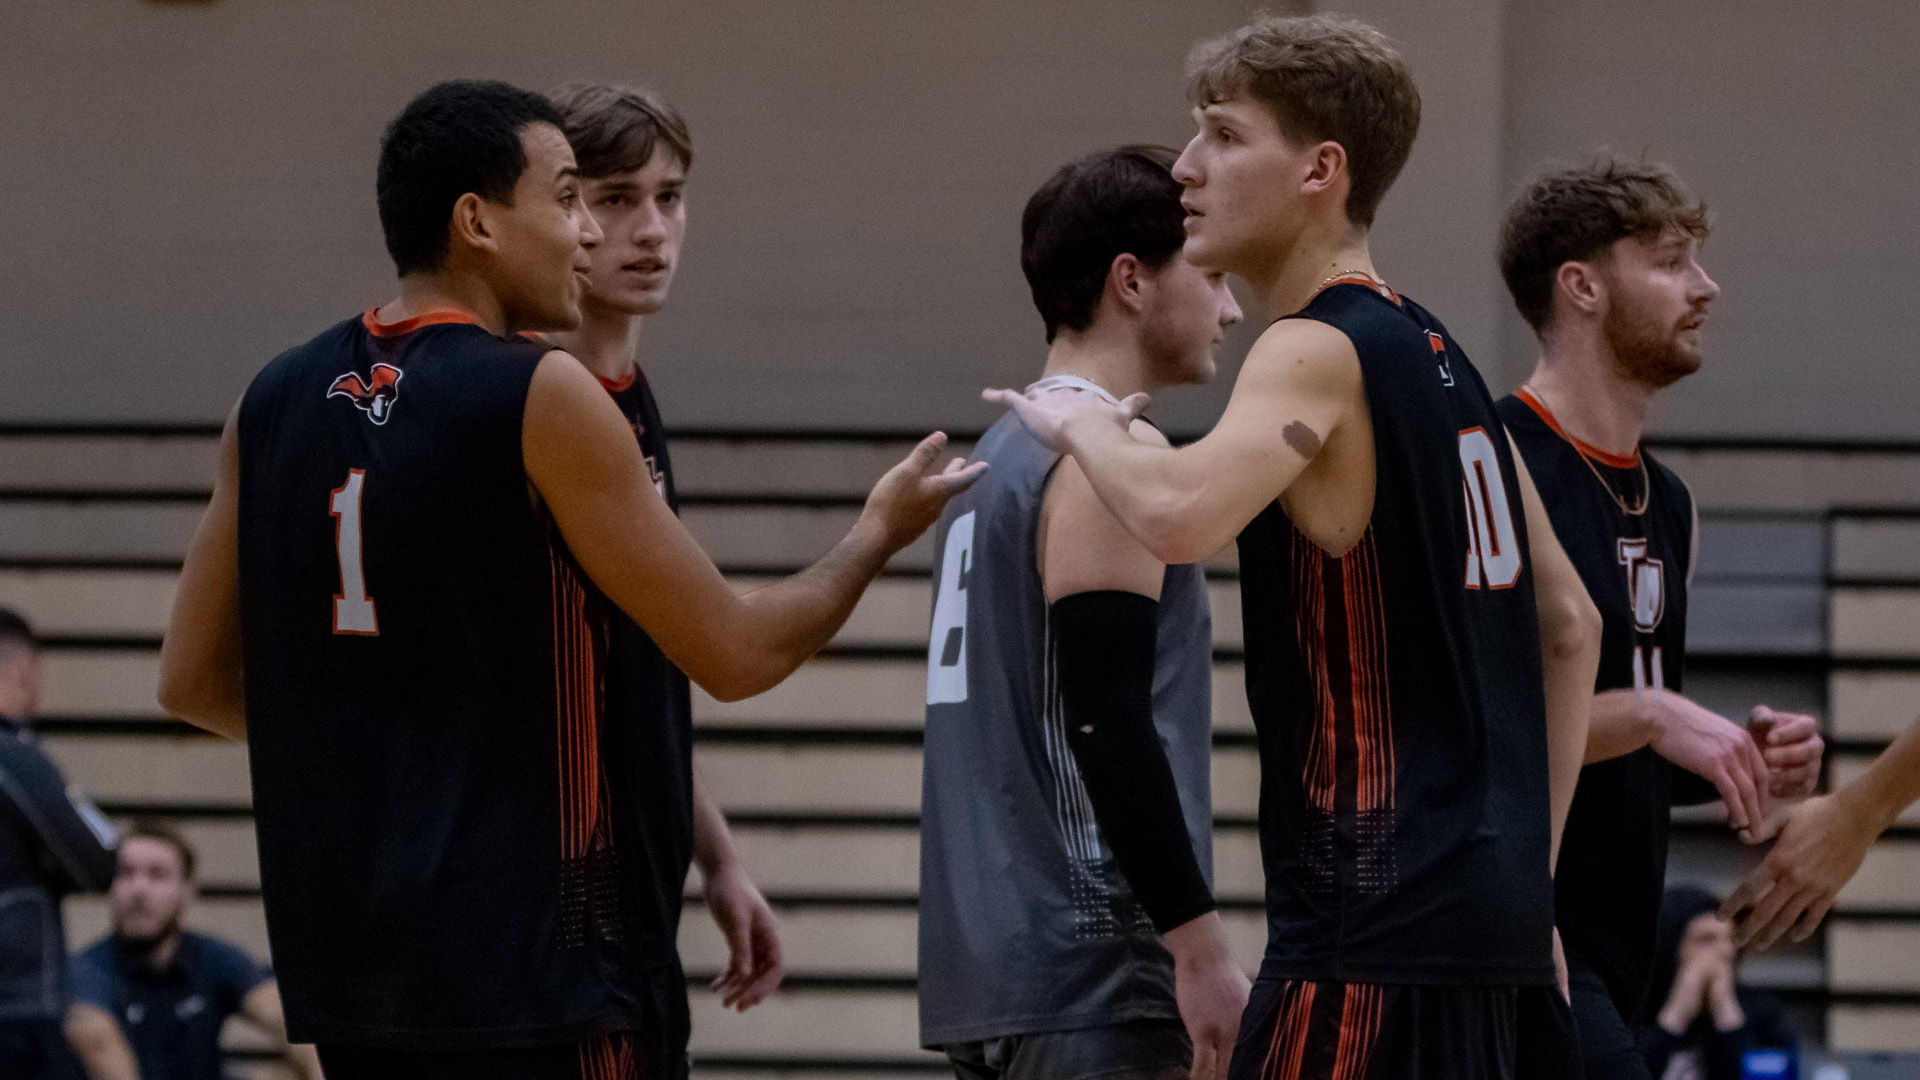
x: 1707, y: 1022
x: 52, y: 842
x: 150, y: 998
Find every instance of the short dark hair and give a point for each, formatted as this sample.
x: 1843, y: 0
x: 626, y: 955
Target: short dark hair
x: 457, y: 137
x: 616, y: 129
x: 151, y: 829
x: 1573, y: 214
x: 1323, y: 77
x: 15, y: 630
x: 1123, y: 201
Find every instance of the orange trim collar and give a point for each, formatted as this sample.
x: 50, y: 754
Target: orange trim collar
x: 1612, y: 461
x: 1380, y: 287
x: 407, y: 326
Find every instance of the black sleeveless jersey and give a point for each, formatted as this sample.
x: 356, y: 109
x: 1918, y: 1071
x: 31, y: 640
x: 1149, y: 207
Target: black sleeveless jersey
x: 650, y: 728
x: 1397, y: 691
x: 1613, y: 855
x: 425, y: 682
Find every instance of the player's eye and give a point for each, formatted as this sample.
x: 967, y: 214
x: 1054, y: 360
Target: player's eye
x: 669, y: 198
x: 616, y: 199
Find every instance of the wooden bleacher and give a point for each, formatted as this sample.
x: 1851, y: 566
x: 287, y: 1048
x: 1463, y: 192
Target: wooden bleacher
x: 1803, y: 600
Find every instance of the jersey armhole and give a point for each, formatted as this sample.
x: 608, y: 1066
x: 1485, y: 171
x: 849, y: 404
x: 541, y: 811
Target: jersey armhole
x: 1693, y: 530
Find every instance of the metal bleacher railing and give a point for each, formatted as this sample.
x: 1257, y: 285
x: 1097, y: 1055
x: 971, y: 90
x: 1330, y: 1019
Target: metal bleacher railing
x: 1807, y: 596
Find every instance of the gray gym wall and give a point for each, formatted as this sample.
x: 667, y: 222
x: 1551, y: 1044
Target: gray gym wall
x: 186, y: 189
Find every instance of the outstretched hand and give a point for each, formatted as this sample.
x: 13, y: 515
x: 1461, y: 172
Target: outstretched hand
x: 1047, y: 413
x: 909, y: 498
x: 1822, y: 844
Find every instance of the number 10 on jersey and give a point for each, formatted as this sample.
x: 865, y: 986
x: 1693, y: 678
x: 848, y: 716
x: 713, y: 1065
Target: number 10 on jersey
x: 1493, y: 547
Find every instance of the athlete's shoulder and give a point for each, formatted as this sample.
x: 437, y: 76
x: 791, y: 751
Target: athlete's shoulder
x: 1304, y: 344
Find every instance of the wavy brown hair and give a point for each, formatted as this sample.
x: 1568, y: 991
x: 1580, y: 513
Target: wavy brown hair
x: 1574, y: 214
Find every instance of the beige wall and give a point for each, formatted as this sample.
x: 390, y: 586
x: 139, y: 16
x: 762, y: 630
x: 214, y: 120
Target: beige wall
x: 186, y: 189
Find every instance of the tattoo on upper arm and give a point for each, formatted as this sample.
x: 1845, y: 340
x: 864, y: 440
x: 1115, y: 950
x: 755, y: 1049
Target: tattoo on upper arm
x: 1302, y: 438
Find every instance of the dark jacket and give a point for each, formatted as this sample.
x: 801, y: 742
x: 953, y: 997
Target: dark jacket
x: 52, y: 842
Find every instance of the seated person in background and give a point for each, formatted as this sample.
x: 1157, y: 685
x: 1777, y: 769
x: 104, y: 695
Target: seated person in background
x: 150, y: 998
x: 1706, y: 1023
x: 52, y: 842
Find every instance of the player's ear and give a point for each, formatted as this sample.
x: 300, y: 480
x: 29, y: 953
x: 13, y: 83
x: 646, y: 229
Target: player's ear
x: 1580, y: 286
x: 1325, y: 167
x: 472, y: 224
x: 1127, y: 283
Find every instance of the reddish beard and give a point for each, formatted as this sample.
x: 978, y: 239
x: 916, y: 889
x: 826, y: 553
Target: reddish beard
x: 1646, y: 351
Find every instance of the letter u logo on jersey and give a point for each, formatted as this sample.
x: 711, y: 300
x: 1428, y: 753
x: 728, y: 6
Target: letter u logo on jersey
x: 1646, y: 580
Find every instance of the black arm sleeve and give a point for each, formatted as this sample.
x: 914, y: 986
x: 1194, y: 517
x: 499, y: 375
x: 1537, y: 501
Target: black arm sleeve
x: 76, y: 839
x: 1103, y: 651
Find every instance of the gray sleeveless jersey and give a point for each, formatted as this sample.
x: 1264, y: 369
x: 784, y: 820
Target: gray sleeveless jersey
x: 1026, y: 924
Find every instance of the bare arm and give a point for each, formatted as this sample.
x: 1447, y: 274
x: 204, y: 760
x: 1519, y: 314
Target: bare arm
x: 1299, y: 384
x: 1694, y: 738
x: 1821, y: 846
x: 1569, y: 651
x: 262, y: 1008
x: 582, y: 458
x: 754, y: 963
x: 200, y: 675
x: 97, y: 1041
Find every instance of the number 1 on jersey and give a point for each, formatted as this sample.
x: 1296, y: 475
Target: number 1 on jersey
x: 1493, y: 547
x: 352, y: 607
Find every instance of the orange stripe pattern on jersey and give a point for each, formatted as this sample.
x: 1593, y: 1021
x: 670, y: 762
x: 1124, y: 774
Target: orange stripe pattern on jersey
x: 579, y: 700
x: 1347, y: 766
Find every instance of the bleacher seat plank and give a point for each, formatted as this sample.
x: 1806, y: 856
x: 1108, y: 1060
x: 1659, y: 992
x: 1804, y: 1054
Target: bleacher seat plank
x: 1873, y: 1027
x: 1877, y: 623
x: 96, y: 530
x: 1886, y: 880
x: 108, y: 462
x: 1788, y: 479
x: 191, y: 770
x: 839, y: 1024
x: 1874, y: 956
x: 101, y: 682
x: 1756, y: 617
x: 1876, y: 548
x: 1873, y: 705
x: 91, y: 603
x: 1761, y: 548
x: 805, y: 467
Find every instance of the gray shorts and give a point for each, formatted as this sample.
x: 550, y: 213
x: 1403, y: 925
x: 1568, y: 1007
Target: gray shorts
x: 1137, y: 1050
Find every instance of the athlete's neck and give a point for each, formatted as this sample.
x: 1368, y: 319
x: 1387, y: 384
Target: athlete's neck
x: 606, y: 341
x: 1318, y: 253
x: 1577, y: 380
x: 429, y: 291
x: 1104, y: 356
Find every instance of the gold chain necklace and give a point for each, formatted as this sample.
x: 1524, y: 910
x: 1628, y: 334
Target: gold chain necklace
x: 1646, y: 482
x: 1338, y: 274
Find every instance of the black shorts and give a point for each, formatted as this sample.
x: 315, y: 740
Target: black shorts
x: 616, y: 1056
x: 1608, y: 1048
x: 1365, y: 1031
